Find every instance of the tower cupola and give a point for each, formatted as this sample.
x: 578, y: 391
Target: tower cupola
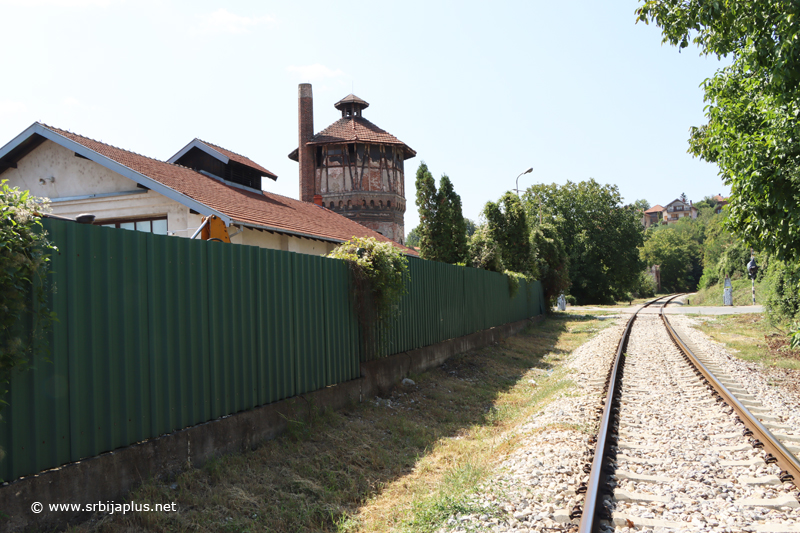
x: 351, y: 106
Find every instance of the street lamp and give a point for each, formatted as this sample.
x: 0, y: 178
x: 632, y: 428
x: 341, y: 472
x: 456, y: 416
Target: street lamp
x: 521, y: 173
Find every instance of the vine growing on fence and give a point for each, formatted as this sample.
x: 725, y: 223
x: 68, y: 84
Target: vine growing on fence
x: 379, y: 273
x: 24, y: 256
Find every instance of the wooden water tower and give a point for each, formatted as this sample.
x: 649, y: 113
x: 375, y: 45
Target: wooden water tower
x: 353, y: 167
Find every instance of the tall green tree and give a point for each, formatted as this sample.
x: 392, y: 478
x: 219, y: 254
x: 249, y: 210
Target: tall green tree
x: 550, y: 259
x: 507, y: 223
x: 453, y: 223
x: 600, y: 235
x: 428, y: 207
x: 752, y: 108
x: 442, y: 232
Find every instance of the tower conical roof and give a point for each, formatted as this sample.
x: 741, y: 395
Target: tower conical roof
x: 349, y: 100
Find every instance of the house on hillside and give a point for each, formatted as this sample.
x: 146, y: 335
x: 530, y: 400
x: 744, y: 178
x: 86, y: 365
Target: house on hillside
x: 126, y: 190
x: 678, y: 209
x: 652, y: 216
x: 721, y: 202
x: 669, y: 214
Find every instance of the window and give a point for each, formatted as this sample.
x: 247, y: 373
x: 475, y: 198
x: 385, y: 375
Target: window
x: 375, y: 154
x: 157, y: 226
x: 335, y: 155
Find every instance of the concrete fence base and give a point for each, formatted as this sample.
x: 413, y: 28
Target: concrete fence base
x: 109, y: 477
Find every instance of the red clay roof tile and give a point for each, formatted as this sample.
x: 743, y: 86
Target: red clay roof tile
x: 355, y: 129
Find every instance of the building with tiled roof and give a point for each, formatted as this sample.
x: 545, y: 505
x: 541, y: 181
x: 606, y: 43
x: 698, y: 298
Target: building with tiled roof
x: 131, y: 191
x: 653, y: 215
x: 669, y: 214
x: 353, y: 167
x: 722, y: 201
x: 679, y: 208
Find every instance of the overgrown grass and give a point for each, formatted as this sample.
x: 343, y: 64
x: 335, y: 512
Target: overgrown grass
x: 404, y: 462
x: 751, y: 337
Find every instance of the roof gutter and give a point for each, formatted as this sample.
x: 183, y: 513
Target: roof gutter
x: 119, y: 168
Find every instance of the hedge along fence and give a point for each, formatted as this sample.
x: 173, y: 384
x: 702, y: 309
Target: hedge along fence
x: 157, y: 333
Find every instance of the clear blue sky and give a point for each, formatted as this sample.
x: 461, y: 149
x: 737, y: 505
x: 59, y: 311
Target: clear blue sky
x: 481, y: 90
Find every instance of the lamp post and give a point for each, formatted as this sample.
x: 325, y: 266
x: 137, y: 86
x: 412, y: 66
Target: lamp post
x: 521, y: 173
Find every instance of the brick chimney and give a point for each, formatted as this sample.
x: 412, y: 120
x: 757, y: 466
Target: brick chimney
x: 305, y: 113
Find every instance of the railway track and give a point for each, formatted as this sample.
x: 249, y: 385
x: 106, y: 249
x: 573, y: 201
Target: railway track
x: 680, y: 448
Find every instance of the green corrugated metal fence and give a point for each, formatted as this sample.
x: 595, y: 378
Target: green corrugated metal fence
x: 158, y: 333
x: 447, y: 301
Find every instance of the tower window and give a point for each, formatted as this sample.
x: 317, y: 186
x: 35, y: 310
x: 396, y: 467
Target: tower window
x: 375, y: 153
x: 335, y: 156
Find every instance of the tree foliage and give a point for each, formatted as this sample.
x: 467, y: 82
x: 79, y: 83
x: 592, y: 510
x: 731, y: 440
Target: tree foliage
x: 675, y: 253
x: 469, y: 224
x: 428, y: 206
x: 412, y: 239
x: 753, y: 108
x: 551, y: 260
x: 453, y: 223
x: 600, y: 235
x: 24, y: 256
x: 442, y: 229
x: 484, y: 251
x: 507, y: 225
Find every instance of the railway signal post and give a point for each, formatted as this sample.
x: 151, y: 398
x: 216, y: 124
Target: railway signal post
x: 752, y: 270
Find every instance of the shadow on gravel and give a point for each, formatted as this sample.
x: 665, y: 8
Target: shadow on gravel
x: 317, y: 475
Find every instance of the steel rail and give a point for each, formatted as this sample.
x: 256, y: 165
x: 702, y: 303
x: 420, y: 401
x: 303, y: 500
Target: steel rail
x: 786, y: 460
x: 597, y: 476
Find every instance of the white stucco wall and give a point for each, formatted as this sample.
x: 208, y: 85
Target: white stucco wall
x: 76, y: 176
x: 64, y: 173
x: 274, y: 241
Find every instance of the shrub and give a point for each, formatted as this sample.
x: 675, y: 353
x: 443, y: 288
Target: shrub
x: 24, y: 255
x: 645, y: 286
x: 513, y: 281
x: 708, y: 279
x: 782, y: 300
x: 484, y: 251
x: 379, y: 274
